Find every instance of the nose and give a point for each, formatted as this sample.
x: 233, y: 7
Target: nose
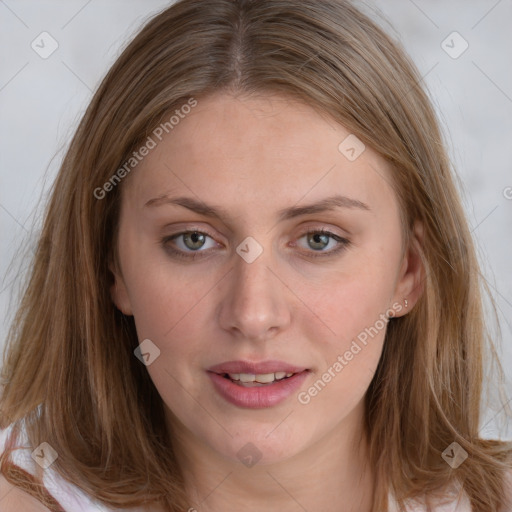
x: 256, y: 304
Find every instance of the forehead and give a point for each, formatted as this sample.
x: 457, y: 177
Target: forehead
x: 254, y: 148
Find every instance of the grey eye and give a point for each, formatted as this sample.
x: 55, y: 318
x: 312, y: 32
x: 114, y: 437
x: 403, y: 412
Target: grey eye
x: 192, y: 241
x: 318, y: 240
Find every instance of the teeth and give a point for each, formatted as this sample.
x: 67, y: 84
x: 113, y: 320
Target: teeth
x: 263, y: 378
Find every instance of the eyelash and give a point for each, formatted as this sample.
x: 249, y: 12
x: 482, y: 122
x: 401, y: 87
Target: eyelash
x: 343, y: 244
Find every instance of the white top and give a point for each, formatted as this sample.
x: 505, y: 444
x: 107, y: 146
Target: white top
x: 72, y: 499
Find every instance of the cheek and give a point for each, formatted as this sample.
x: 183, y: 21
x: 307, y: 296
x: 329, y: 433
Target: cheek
x: 164, y: 296
x: 348, y: 302
x: 174, y: 310
x: 352, y: 309
x: 164, y: 305
x: 355, y: 311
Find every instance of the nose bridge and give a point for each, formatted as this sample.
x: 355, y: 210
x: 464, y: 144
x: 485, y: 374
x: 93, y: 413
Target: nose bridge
x: 253, y: 278
x: 255, y: 304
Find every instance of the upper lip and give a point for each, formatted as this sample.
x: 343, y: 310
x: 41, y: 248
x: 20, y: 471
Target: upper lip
x: 260, y: 368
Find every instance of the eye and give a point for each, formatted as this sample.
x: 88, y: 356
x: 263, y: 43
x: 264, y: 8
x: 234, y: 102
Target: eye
x: 188, y: 243
x: 320, y: 240
x: 194, y: 244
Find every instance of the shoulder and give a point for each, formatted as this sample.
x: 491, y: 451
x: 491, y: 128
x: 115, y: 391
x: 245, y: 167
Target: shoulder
x: 451, y: 498
x: 55, y: 492
x: 454, y: 500
x: 13, y: 499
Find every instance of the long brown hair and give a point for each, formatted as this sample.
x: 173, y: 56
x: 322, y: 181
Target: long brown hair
x: 70, y: 370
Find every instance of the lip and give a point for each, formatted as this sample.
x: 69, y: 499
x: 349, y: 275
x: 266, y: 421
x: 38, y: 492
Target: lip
x: 255, y: 368
x: 257, y: 397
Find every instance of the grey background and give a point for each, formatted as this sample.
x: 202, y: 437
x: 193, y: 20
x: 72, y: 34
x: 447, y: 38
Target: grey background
x: 41, y: 101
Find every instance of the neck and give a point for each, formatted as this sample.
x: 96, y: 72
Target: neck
x: 333, y: 475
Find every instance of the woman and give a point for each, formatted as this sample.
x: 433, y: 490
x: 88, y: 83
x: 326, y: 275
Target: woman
x: 255, y: 286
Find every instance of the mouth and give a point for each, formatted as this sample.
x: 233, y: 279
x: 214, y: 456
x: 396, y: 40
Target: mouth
x: 249, y: 380
x: 257, y: 385
x: 257, y: 369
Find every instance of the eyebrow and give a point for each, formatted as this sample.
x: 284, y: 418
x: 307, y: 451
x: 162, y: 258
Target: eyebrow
x: 327, y: 204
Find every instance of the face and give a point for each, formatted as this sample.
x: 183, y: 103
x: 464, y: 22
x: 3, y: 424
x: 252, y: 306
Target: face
x: 253, y: 246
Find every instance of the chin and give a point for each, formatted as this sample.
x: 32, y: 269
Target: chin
x: 254, y: 445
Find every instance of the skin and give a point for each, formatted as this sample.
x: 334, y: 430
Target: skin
x: 253, y: 156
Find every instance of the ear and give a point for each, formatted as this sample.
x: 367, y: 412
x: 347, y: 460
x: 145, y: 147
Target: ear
x: 410, y: 280
x: 118, y: 290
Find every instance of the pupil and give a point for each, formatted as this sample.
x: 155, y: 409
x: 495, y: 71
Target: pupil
x: 324, y: 239
x: 196, y: 238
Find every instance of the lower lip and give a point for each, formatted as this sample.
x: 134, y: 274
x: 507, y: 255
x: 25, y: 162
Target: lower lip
x: 257, y: 397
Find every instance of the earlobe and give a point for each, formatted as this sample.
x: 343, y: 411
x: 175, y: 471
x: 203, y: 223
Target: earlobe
x: 119, y: 292
x: 410, y: 283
